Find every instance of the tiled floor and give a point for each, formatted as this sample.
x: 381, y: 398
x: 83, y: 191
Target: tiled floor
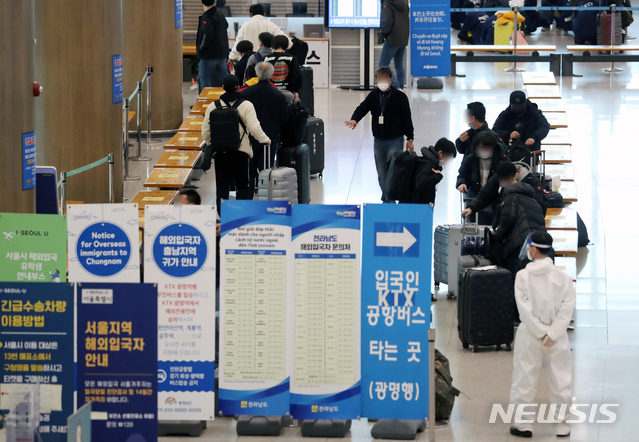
x: 602, y: 113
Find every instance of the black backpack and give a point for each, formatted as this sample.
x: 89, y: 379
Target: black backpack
x: 225, y: 122
x: 295, y: 129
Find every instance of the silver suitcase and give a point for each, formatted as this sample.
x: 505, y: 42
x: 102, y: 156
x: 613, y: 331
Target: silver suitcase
x: 278, y: 183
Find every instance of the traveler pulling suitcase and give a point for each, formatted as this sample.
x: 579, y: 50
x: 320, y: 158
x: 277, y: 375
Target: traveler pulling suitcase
x: 307, y: 93
x: 485, y: 308
x: 299, y: 158
x: 314, y: 137
x: 276, y: 184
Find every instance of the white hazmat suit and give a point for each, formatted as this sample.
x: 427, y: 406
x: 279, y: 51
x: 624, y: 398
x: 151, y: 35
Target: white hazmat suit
x: 546, y: 299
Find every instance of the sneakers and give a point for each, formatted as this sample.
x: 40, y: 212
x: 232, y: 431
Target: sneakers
x: 520, y: 433
x: 563, y: 430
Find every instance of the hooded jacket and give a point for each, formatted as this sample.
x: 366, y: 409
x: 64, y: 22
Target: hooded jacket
x: 468, y: 146
x: 545, y: 299
x: 424, y: 179
x: 519, y: 215
x: 532, y: 124
x: 395, y: 23
x: 470, y: 174
x: 492, y: 195
x: 251, y: 31
x: 212, y: 40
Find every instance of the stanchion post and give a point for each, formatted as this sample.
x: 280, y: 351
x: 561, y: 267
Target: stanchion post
x: 432, y: 419
x: 613, y: 40
x: 138, y: 134
x: 149, y: 71
x: 111, y: 178
x: 515, y: 30
x: 63, y: 191
x: 125, y: 144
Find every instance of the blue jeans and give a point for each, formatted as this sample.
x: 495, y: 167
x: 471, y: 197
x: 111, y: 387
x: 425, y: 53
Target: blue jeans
x: 212, y: 72
x: 384, y: 150
x: 396, y: 53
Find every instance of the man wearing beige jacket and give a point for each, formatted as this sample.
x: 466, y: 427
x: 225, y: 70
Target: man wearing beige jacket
x: 253, y: 28
x: 232, y: 166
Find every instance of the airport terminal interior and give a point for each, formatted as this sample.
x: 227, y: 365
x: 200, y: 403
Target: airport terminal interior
x: 601, y: 110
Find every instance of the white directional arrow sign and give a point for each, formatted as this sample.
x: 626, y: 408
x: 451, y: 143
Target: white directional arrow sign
x: 403, y: 239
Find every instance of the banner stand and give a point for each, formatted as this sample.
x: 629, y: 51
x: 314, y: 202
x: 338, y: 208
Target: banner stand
x: 260, y: 425
x: 325, y: 428
x: 181, y: 428
x: 400, y: 429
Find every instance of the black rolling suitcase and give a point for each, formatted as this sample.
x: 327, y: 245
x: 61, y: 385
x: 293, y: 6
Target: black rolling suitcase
x: 485, y: 308
x: 314, y: 137
x: 306, y: 92
x: 299, y: 158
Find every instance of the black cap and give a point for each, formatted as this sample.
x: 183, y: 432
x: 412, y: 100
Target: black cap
x: 477, y: 110
x: 541, y: 239
x: 506, y: 170
x: 518, y: 97
x: 231, y: 81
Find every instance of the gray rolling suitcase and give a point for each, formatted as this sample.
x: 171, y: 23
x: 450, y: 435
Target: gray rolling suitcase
x: 456, y: 235
x: 440, y: 254
x: 278, y: 183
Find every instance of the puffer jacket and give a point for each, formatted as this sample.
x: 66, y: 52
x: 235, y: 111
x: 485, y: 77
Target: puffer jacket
x: 424, y: 179
x: 519, y: 215
x: 470, y: 174
x: 532, y: 124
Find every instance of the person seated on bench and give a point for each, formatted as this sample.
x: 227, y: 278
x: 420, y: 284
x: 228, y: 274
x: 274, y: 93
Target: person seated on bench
x: 584, y: 23
x: 245, y: 48
x: 478, y: 168
x: 472, y: 29
x: 522, y: 126
x: 188, y: 197
x: 476, y: 118
x: 534, y: 19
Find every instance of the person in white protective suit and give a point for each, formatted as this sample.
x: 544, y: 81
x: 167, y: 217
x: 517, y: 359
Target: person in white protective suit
x: 546, y: 299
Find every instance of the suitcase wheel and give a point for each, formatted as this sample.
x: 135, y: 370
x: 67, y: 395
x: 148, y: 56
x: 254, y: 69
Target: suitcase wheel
x: 475, y: 349
x: 451, y: 296
x: 465, y: 346
x: 498, y: 348
x: 508, y: 348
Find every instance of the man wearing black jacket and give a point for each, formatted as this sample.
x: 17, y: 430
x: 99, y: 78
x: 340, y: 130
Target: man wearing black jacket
x: 287, y: 74
x: 394, y: 32
x: 522, y: 122
x: 428, y: 172
x: 270, y: 107
x: 212, y: 46
x: 392, y: 121
x: 245, y: 48
x: 476, y: 119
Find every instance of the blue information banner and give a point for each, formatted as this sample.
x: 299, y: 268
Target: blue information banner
x: 430, y: 38
x: 395, y: 313
x: 36, y: 346
x: 326, y: 358
x: 179, y: 13
x: 117, y: 359
x: 28, y: 161
x: 118, y: 83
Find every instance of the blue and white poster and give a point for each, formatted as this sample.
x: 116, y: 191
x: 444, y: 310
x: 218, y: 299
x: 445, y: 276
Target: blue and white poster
x: 28, y: 161
x: 256, y: 296
x: 118, y: 80
x: 36, y: 347
x: 179, y: 13
x: 325, y: 382
x: 179, y: 249
x: 395, y: 315
x: 103, y: 242
x: 117, y: 359
x: 430, y: 38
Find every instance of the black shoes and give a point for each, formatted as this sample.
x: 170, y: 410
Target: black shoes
x: 517, y: 432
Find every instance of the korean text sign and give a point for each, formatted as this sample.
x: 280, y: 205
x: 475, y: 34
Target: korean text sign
x: 179, y: 255
x: 103, y: 242
x: 34, y: 247
x: 36, y: 346
x: 430, y: 38
x: 179, y: 13
x: 326, y: 358
x: 396, y: 268
x: 117, y: 359
x: 28, y: 160
x: 118, y: 80
x: 256, y: 296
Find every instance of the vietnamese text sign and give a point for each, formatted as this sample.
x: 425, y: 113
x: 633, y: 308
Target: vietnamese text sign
x: 36, y: 347
x: 255, y: 307
x: 179, y: 250
x: 430, y: 38
x: 34, y: 247
x: 118, y: 83
x: 326, y: 356
x: 117, y: 359
x: 396, y: 268
x: 28, y: 160
x: 103, y: 242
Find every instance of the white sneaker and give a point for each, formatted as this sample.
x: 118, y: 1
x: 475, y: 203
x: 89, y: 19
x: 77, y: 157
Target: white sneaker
x: 563, y: 430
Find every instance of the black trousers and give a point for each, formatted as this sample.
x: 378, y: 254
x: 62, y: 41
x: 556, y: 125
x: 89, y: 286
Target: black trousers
x: 232, y: 167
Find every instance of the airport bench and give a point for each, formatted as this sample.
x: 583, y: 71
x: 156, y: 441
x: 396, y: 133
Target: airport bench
x: 538, y: 78
x: 561, y: 219
x: 568, y: 190
x: 178, y: 159
x: 558, y: 154
x: 543, y: 92
x: 210, y: 94
x: 192, y: 123
x: 185, y: 141
x: 565, y: 171
x: 552, y: 58
x: 557, y: 120
x: 564, y: 242
x: 150, y: 197
x: 567, y: 264
x: 567, y: 60
x: 199, y: 108
x: 550, y: 105
x: 169, y: 178
x: 557, y: 136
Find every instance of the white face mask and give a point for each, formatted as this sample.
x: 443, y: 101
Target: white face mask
x: 441, y: 163
x: 484, y: 153
x: 528, y: 255
x: 383, y: 86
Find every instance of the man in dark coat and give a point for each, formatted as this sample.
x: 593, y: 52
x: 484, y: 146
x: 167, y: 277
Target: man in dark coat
x: 476, y: 119
x: 245, y: 48
x: 394, y: 32
x: 522, y: 122
x: 270, y: 107
x: 428, y: 171
x: 212, y: 46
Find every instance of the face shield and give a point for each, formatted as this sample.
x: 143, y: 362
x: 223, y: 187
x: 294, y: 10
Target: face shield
x: 523, y: 253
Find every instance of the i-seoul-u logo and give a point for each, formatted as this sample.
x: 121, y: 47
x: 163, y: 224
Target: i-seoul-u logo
x: 277, y: 210
x: 347, y: 213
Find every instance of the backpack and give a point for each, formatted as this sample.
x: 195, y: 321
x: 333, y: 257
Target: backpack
x: 225, y: 122
x: 399, y: 180
x: 445, y: 393
x: 295, y: 129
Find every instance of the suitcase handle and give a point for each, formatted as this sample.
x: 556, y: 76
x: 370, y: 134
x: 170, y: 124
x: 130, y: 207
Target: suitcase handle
x: 267, y: 156
x: 542, y: 162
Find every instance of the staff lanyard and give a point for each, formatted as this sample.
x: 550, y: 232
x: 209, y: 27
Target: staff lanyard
x: 381, y: 101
